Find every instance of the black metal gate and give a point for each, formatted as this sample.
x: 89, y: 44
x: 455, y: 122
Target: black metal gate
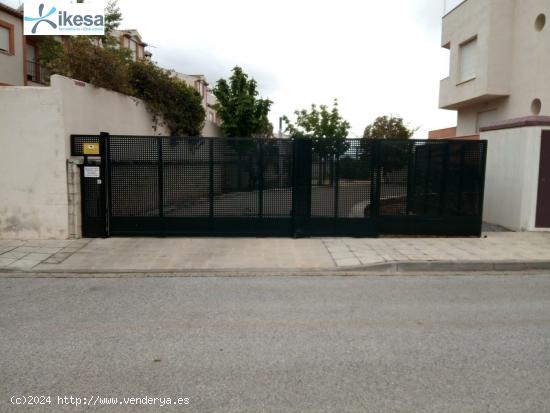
x: 151, y: 185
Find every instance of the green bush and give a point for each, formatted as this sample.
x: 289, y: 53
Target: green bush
x: 178, y: 104
x: 168, y: 99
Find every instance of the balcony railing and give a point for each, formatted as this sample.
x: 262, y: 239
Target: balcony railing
x: 37, y: 73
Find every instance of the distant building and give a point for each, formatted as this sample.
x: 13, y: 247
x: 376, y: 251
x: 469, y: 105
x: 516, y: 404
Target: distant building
x: 131, y: 39
x: 19, y: 54
x: 199, y: 83
x: 442, y: 133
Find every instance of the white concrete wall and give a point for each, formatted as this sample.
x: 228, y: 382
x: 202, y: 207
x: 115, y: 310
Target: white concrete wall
x: 91, y: 110
x: 36, y: 124
x: 511, y: 184
x: 33, y: 182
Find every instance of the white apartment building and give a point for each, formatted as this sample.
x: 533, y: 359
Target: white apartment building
x: 499, y: 62
x: 499, y: 86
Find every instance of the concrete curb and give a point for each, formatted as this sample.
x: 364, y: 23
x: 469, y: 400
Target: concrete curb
x: 386, y: 268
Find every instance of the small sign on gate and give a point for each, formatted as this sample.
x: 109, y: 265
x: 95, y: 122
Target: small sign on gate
x: 91, y: 172
x: 90, y: 148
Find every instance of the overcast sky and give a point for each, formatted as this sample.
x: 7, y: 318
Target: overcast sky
x: 376, y: 57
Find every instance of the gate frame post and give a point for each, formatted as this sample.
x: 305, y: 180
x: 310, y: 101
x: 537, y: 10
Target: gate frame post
x: 444, y: 177
x: 376, y: 166
x: 336, y: 180
x: 105, y: 168
x: 411, y: 177
x: 260, y: 146
x: 211, y: 180
x: 482, y: 175
x: 301, y: 186
x: 160, y: 180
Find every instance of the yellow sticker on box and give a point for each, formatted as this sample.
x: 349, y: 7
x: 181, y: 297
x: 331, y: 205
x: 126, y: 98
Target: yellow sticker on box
x: 90, y: 148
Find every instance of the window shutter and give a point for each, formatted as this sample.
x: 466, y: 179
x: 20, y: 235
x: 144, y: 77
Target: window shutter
x: 468, y: 60
x: 4, y: 39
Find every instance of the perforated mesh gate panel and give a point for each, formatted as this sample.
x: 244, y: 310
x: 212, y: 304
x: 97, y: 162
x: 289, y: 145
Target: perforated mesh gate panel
x: 214, y: 186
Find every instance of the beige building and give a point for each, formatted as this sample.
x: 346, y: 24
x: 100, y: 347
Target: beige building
x: 19, y: 54
x: 212, y: 122
x: 131, y: 39
x: 499, y: 62
x: 199, y: 83
x: 498, y: 84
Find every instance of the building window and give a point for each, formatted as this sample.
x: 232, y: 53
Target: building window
x: 199, y: 87
x: 468, y: 60
x: 132, y: 47
x: 6, y: 37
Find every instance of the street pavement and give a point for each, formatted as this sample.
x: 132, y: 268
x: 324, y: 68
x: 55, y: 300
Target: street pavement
x: 470, y: 343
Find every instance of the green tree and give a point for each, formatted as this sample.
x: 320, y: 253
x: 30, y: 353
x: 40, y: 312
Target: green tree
x: 64, y: 56
x: 395, y: 154
x: 243, y: 114
x: 388, y: 127
x: 327, y: 129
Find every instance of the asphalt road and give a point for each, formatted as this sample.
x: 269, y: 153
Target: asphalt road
x: 280, y: 344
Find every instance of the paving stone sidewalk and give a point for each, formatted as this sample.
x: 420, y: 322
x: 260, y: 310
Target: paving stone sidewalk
x: 25, y: 255
x: 180, y: 254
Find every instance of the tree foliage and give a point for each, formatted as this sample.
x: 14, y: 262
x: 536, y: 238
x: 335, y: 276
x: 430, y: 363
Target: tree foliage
x: 243, y: 114
x: 388, y: 127
x: 168, y: 97
x: 395, y: 154
x: 101, y: 62
x: 99, y: 66
x: 328, y: 129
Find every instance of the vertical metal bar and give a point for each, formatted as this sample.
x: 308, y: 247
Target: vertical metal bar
x: 376, y: 177
x: 461, y: 177
x: 160, y: 178
x: 211, y: 178
x: 295, y: 194
x: 260, y: 179
x: 336, y: 179
x: 427, y: 179
x: 445, y: 173
x: 411, y: 178
x: 301, y: 190
x: 483, y: 167
x: 84, y: 221
x: 105, y: 173
x: 372, y: 165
